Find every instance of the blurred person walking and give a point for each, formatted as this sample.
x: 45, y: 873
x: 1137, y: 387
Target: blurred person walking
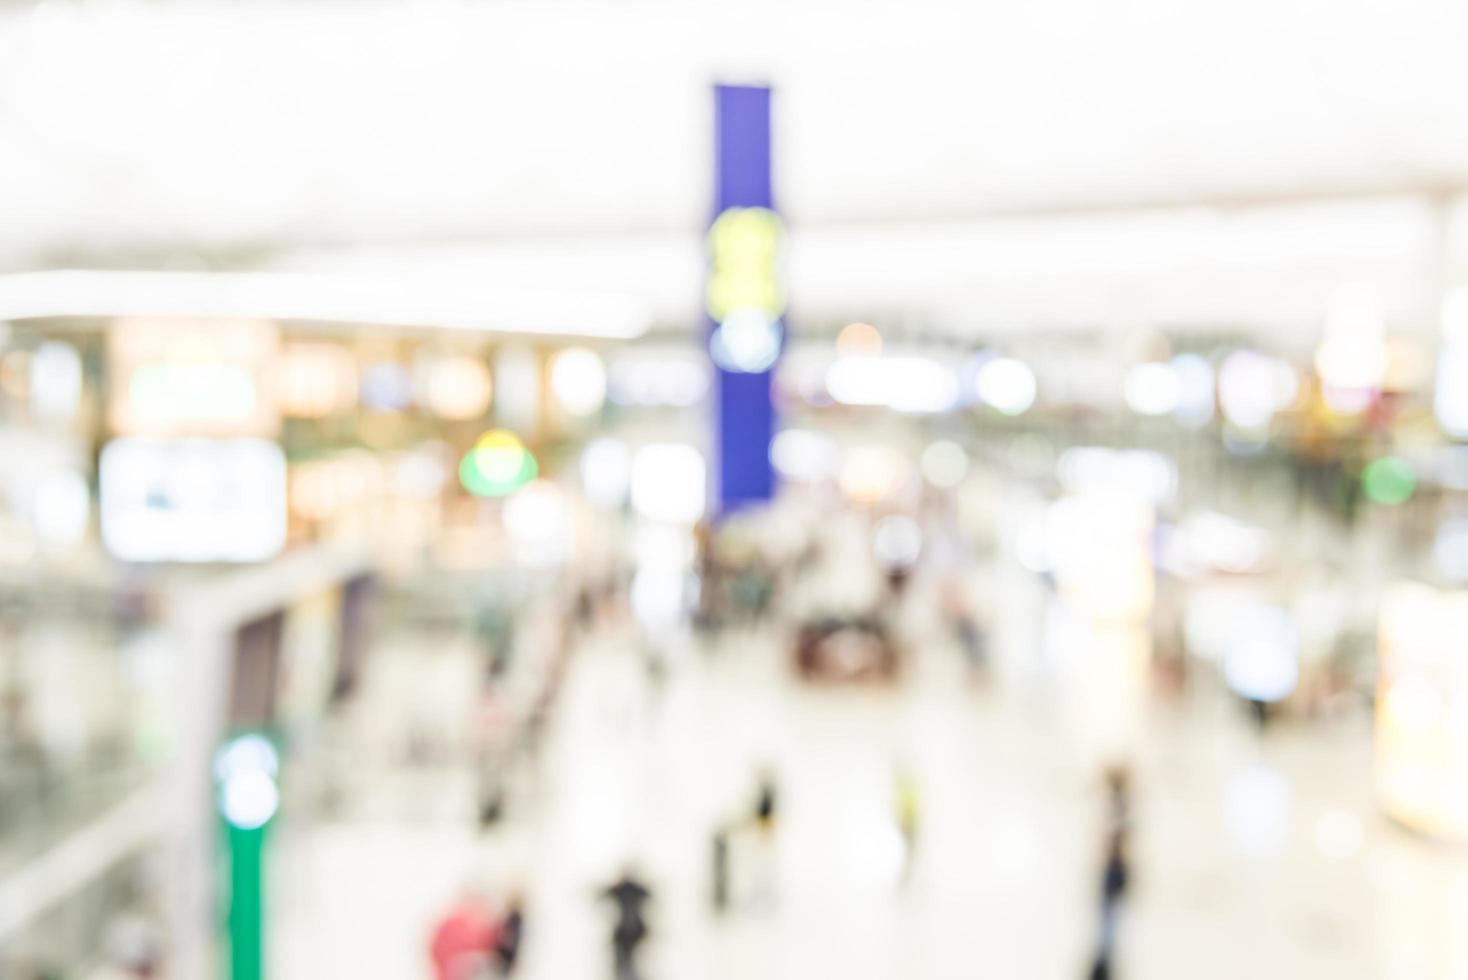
x: 720, y: 875
x: 494, y: 754
x: 1259, y: 711
x: 764, y: 803
x: 510, y: 934
x: 463, y: 938
x: 906, y: 805
x: 630, y: 896
x: 1114, y: 878
x: 764, y: 818
x: 1115, y: 871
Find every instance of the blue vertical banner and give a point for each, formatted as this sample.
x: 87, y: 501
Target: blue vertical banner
x: 744, y: 298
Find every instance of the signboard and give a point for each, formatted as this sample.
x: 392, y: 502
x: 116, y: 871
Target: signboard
x: 191, y: 377
x: 745, y: 298
x: 192, y: 500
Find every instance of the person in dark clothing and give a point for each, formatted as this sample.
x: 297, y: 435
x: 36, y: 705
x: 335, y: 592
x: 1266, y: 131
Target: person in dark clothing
x: 764, y: 816
x: 764, y: 802
x: 491, y: 802
x: 721, y: 869
x: 971, y: 639
x: 1115, y: 872
x: 1114, y: 876
x: 510, y: 934
x: 630, y: 897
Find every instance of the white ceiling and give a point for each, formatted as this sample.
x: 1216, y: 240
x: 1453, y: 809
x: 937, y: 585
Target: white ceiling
x: 1194, y: 269
x: 570, y: 142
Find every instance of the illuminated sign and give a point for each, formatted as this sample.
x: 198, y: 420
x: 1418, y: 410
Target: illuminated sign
x: 193, y: 500
x: 744, y: 248
x: 192, y: 377
x: 744, y: 294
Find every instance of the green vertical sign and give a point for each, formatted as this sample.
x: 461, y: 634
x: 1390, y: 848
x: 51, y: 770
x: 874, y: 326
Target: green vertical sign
x: 245, y: 771
x: 246, y: 903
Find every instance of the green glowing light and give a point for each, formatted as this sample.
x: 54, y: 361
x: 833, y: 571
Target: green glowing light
x: 497, y: 466
x: 1389, y: 480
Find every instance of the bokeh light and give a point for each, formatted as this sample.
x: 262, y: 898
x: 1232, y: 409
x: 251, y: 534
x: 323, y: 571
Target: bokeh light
x: 56, y: 381
x: 498, y: 465
x: 1261, y: 661
x: 1006, y: 384
x: 669, y: 483
x: 537, y: 517
x: 579, y: 381
x: 315, y: 379
x: 458, y: 388
x: 61, y: 509
x: 1254, y: 387
x: 870, y: 473
x: 905, y: 384
x: 387, y: 386
x: 859, y: 338
x: 1197, y: 400
x: 1389, y: 480
x: 748, y: 341
x: 805, y: 454
x: 897, y: 541
x: 606, y: 472
x: 1450, y: 549
x: 944, y: 464
x: 1153, y: 388
x: 1353, y: 353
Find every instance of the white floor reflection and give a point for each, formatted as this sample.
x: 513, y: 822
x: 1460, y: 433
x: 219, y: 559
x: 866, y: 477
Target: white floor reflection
x: 1263, y: 858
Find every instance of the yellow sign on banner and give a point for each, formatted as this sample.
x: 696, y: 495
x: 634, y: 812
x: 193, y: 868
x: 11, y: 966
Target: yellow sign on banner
x: 745, y: 246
